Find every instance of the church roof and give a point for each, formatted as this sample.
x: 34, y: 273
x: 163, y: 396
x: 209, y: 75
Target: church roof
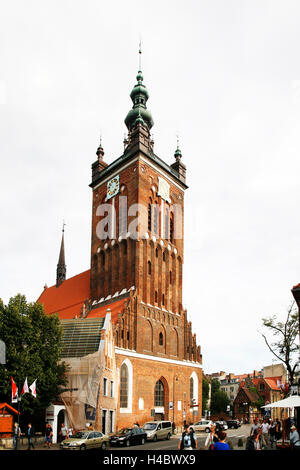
x: 67, y: 299
x: 81, y: 337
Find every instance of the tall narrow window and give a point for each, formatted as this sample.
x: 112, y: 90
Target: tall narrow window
x: 161, y: 339
x: 156, y: 296
x: 163, y: 299
x: 149, y: 267
x: 170, y: 277
x: 167, y: 223
x: 159, y: 394
x: 171, y: 227
x: 124, y: 387
x: 155, y: 218
x: 191, y: 389
x: 149, y: 217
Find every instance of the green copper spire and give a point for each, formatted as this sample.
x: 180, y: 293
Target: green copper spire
x: 139, y: 96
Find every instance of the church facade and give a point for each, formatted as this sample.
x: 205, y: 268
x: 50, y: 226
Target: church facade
x: 137, y: 255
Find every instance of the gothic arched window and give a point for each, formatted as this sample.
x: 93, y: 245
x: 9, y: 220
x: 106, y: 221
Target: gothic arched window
x: 161, y: 339
x: 159, y: 395
x: 191, y: 389
x: 124, y: 386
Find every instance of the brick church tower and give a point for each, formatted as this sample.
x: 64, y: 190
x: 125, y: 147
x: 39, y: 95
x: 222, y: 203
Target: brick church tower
x: 135, y: 279
x: 137, y: 249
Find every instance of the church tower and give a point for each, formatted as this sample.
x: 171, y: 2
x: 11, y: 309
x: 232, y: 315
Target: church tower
x: 137, y: 254
x: 137, y: 222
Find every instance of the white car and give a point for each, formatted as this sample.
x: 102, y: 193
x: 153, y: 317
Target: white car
x: 202, y: 425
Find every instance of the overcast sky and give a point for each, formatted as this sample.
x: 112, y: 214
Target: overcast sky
x: 225, y: 75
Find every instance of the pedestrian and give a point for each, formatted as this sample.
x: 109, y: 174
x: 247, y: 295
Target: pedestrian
x: 221, y: 444
x: 16, y: 435
x: 272, y: 432
x: 265, y: 427
x: 48, y: 435
x: 63, y: 432
x: 70, y: 432
x: 294, y: 438
x: 256, y: 441
x: 278, y: 433
x: 173, y: 427
x: 30, y: 436
x: 254, y: 426
x: 188, y: 440
x: 212, y: 438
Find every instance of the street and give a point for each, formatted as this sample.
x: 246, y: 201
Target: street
x: 233, y: 435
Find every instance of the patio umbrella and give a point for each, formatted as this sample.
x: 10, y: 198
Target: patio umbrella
x: 289, y: 402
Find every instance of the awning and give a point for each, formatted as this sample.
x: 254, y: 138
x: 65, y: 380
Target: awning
x: 289, y: 402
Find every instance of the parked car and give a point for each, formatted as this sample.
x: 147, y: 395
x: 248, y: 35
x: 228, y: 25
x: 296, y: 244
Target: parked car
x: 203, y: 425
x: 221, y: 425
x: 84, y: 440
x: 233, y: 423
x: 128, y: 436
x: 158, y: 430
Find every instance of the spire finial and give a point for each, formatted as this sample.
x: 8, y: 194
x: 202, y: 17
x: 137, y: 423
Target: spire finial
x: 140, y: 54
x: 178, y: 153
x: 61, y: 265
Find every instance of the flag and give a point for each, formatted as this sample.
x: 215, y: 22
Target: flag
x: 14, y: 391
x: 25, y: 388
x: 33, y: 388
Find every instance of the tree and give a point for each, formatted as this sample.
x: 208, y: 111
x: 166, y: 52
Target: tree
x: 285, y: 333
x: 32, y: 341
x: 219, y: 399
x: 205, y: 394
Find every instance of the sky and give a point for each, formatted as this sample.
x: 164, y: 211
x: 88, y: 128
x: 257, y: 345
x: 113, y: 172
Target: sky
x: 225, y: 77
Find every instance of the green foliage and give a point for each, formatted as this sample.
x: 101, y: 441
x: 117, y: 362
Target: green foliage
x: 285, y: 346
x: 219, y: 399
x: 205, y: 395
x: 32, y: 341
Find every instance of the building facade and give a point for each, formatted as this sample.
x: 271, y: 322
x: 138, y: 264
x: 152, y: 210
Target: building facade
x: 137, y: 255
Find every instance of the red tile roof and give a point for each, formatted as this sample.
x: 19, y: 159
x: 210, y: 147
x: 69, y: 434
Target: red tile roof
x: 67, y: 299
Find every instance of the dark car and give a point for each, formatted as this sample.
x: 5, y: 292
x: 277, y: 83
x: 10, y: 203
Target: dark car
x: 221, y: 426
x: 128, y: 437
x: 233, y: 423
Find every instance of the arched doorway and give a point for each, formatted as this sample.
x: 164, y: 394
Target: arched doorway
x: 161, y: 400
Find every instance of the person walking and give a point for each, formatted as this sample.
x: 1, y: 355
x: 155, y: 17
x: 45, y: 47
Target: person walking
x: 265, y: 427
x: 278, y: 433
x: 255, y: 426
x: 211, y: 439
x: 294, y: 438
x: 272, y: 432
x: 63, y: 432
x: 221, y: 444
x: 16, y: 435
x: 48, y: 435
x: 256, y: 441
x: 30, y: 436
x: 188, y: 440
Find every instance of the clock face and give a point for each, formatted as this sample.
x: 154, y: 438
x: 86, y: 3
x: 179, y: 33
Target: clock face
x: 113, y: 187
x: 163, y: 189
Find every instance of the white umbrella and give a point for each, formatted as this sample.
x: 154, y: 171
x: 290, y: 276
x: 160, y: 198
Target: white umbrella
x: 289, y: 402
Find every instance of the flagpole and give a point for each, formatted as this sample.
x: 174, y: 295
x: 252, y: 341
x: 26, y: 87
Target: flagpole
x: 19, y: 404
